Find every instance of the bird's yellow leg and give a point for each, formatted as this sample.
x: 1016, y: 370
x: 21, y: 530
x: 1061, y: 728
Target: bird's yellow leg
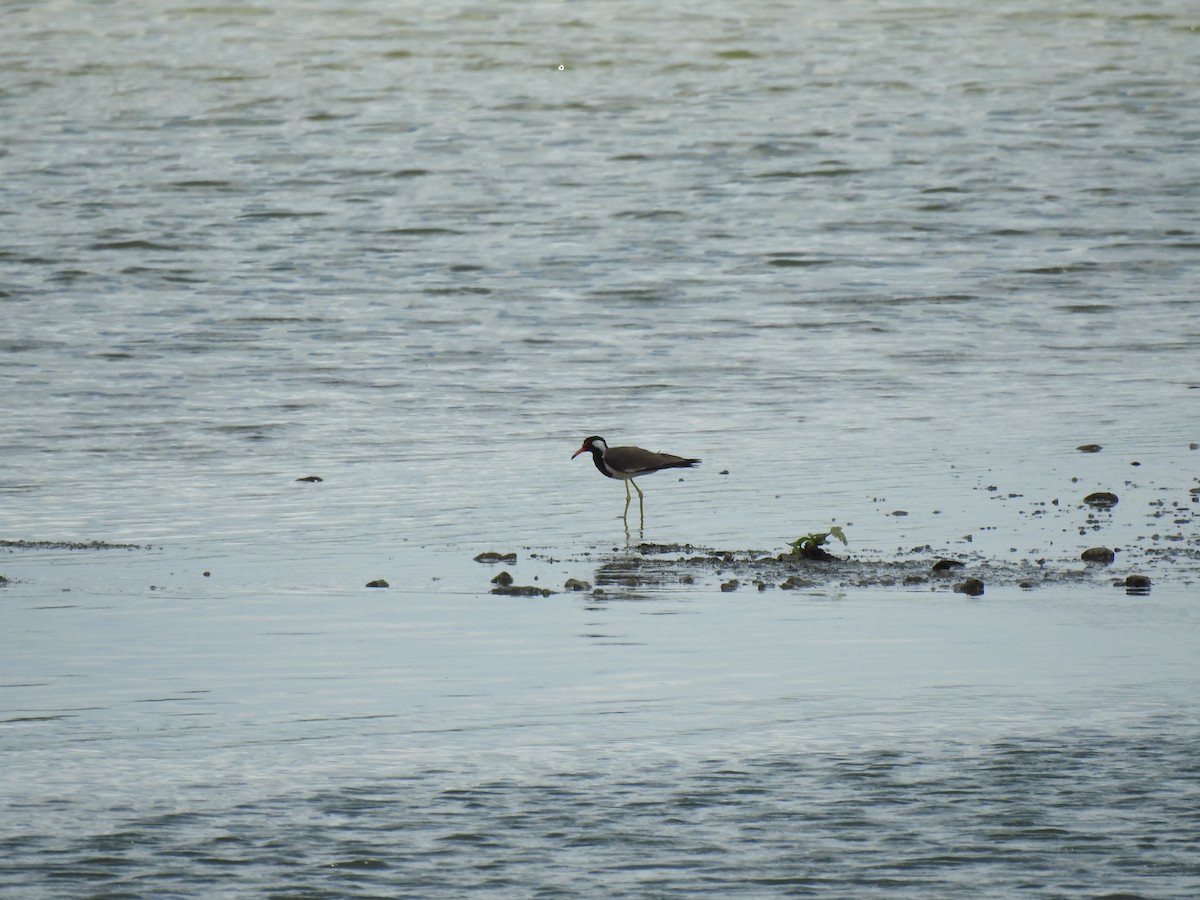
x: 641, y: 497
x: 627, y: 499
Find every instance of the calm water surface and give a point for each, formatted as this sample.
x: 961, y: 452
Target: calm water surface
x: 861, y: 257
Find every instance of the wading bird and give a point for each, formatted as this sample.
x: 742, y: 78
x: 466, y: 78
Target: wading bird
x: 627, y: 462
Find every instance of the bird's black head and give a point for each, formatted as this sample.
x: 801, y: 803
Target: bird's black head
x: 594, y: 444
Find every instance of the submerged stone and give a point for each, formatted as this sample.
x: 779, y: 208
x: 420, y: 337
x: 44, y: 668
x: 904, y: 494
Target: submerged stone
x: 491, y: 556
x: 972, y: 587
x: 794, y: 582
x: 1137, y: 585
x: 521, y: 590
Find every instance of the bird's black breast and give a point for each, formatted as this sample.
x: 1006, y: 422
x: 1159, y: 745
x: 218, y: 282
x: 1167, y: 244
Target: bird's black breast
x: 598, y: 459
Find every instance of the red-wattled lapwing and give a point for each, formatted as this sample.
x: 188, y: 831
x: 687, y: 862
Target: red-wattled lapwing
x: 626, y: 462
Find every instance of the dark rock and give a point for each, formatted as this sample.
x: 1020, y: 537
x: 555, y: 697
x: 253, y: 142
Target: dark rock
x: 810, y: 551
x: 650, y: 548
x: 1100, y: 555
x: 503, y: 579
x: 574, y: 584
x: 311, y: 479
x: 378, y: 583
x: 521, y: 590
x: 1137, y: 585
x: 972, y: 587
x: 491, y: 556
x: 795, y: 582
x: 1101, y: 500
x: 944, y: 565
x: 731, y: 585
x: 1089, y: 448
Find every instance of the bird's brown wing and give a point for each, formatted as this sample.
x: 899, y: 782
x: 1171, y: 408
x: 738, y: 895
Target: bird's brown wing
x: 635, y: 460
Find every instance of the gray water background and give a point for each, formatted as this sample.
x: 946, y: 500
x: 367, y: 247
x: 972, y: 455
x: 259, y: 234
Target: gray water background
x: 861, y: 257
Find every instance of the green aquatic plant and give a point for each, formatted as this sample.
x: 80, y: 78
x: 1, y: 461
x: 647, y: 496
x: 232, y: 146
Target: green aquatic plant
x: 810, y: 546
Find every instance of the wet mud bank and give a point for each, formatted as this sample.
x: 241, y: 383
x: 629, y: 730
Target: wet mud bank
x: 23, y: 546
x: 647, y: 568
x: 1098, y: 539
x: 919, y: 569
x: 69, y: 545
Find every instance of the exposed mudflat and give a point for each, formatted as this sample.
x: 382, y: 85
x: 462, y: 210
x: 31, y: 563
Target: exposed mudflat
x: 69, y: 545
x: 659, y: 565
x: 1080, y: 542
x: 640, y: 568
x: 647, y: 567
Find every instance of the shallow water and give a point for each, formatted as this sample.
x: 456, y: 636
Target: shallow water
x: 367, y: 744
x: 879, y: 265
